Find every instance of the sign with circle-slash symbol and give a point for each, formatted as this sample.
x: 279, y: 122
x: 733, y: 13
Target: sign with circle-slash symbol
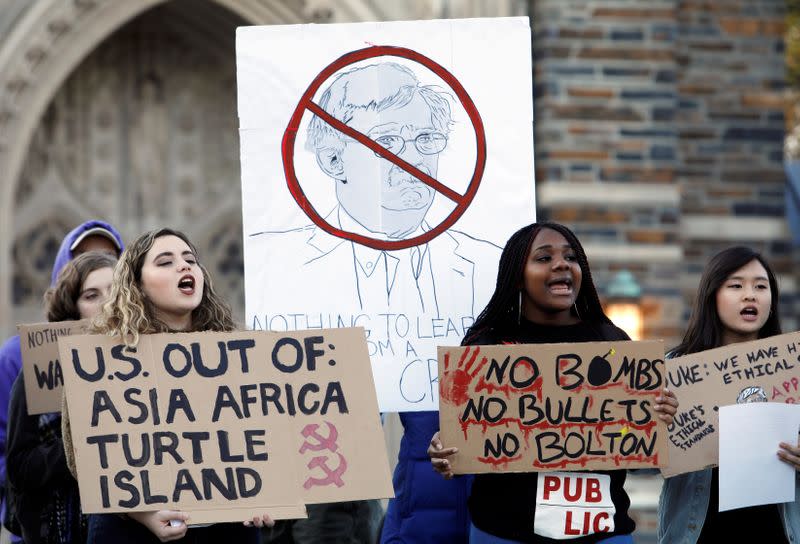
x: 388, y: 147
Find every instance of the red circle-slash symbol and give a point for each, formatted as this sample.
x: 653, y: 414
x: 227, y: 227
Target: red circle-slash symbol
x: 462, y: 201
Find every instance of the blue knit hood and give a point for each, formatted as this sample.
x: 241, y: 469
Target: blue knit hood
x: 64, y: 254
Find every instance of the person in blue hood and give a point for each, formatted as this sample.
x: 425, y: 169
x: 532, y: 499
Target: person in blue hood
x: 89, y: 236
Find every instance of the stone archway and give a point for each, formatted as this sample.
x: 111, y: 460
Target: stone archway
x: 44, y: 41
x: 143, y: 133
x: 49, y: 178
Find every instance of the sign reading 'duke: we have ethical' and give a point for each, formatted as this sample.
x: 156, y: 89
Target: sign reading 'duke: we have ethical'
x: 224, y: 425
x: 544, y: 407
x: 766, y: 370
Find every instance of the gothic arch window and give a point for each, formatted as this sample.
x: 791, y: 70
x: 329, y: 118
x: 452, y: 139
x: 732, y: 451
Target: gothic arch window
x: 143, y: 134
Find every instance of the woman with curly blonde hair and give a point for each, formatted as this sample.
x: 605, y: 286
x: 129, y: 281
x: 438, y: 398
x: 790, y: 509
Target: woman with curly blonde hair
x: 160, y: 286
x: 130, y: 311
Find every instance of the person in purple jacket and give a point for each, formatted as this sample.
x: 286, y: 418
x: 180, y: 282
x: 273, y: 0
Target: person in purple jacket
x: 89, y: 236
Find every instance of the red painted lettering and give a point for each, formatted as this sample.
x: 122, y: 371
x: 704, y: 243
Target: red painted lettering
x: 597, y: 524
x: 568, y: 529
x: 593, y: 493
x: 570, y: 496
x: 586, y: 517
x: 602, y: 516
x: 551, y: 483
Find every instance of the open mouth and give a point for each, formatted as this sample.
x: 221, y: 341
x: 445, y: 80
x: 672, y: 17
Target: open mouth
x: 749, y: 313
x: 561, y: 286
x: 186, y: 285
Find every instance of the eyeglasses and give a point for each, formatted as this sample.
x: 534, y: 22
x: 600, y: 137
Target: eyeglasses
x: 427, y: 143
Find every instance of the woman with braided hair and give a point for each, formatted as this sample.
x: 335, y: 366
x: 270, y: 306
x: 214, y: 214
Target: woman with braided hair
x: 544, y: 294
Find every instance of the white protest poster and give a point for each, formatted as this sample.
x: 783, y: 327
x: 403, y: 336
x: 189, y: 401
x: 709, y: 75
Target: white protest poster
x: 384, y: 165
x: 750, y: 472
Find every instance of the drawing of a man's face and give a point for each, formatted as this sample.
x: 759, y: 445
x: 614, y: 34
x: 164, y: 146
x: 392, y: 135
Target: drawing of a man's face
x: 404, y: 200
x: 388, y: 106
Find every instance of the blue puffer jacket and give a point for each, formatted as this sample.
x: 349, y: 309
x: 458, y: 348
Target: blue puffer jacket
x: 10, y: 352
x: 426, y: 508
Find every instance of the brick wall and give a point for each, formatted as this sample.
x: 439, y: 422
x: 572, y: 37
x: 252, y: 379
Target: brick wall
x: 659, y: 131
x: 731, y: 123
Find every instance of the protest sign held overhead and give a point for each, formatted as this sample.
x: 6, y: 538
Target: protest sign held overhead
x: 371, y: 159
x: 544, y: 407
x: 224, y: 425
x: 41, y: 367
x: 766, y: 370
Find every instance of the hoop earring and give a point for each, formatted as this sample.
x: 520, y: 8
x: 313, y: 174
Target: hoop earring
x: 519, y: 308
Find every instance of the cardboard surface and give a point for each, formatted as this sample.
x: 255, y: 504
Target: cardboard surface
x: 203, y: 517
x: 544, y: 407
x: 763, y: 370
x: 209, y: 422
x: 41, y: 367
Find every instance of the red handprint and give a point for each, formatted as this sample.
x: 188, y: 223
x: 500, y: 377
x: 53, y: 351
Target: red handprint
x: 455, y: 382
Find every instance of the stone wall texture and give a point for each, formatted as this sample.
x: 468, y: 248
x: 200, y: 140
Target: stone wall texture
x: 659, y: 139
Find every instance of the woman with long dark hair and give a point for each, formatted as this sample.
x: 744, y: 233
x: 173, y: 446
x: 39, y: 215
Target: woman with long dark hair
x: 42, y: 491
x: 544, y: 294
x: 736, y: 301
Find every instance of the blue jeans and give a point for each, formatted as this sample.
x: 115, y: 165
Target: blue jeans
x: 476, y: 536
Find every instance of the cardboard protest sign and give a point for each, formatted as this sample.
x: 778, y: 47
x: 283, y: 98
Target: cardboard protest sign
x: 545, y: 407
x: 223, y: 425
x: 41, y: 368
x: 766, y: 370
x: 378, y: 219
x: 337, y: 428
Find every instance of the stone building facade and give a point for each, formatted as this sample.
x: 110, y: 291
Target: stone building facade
x: 658, y: 130
x: 659, y: 138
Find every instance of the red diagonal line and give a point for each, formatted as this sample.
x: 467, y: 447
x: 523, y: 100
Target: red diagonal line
x: 383, y: 152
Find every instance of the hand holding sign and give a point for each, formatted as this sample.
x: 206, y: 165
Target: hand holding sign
x: 439, y: 457
x: 166, y: 525
x: 666, y: 406
x: 790, y: 454
x: 260, y: 521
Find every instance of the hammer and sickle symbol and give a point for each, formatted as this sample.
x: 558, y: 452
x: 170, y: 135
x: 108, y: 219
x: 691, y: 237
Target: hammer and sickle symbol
x: 332, y: 476
x: 322, y: 443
